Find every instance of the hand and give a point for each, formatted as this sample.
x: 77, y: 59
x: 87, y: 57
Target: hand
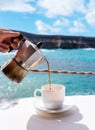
x: 6, y: 40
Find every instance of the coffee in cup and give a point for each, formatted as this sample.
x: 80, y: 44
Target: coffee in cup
x: 52, y: 95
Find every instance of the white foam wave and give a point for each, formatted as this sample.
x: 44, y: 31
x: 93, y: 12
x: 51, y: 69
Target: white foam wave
x: 89, y: 49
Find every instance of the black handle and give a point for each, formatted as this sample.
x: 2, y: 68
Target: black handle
x: 39, y: 44
x: 20, y: 37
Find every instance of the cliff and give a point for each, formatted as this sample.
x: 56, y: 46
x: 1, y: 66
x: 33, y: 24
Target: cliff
x: 61, y: 41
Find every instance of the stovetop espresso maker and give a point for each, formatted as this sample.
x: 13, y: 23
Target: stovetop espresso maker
x: 27, y: 57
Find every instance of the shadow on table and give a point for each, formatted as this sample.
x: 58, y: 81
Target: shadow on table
x: 66, y: 121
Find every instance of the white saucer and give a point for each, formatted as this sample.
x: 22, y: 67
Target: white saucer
x: 40, y: 106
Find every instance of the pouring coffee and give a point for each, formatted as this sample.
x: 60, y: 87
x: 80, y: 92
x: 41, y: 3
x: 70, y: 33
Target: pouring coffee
x: 27, y: 57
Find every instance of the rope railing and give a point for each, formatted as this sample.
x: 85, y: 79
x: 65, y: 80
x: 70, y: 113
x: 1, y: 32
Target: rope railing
x: 64, y: 72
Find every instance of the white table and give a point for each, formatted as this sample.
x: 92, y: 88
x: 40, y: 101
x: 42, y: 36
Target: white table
x: 24, y: 117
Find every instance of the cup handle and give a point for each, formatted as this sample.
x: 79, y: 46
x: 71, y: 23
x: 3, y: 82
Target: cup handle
x: 36, y: 91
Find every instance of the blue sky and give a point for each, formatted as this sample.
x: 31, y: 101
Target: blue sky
x: 53, y: 17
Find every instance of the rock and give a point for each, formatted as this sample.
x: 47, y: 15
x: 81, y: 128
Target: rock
x: 61, y: 41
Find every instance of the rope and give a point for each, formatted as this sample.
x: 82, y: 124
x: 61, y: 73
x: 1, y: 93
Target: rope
x: 65, y: 72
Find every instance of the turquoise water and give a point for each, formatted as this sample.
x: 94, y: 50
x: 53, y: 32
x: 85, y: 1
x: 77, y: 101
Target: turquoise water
x: 71, y: 60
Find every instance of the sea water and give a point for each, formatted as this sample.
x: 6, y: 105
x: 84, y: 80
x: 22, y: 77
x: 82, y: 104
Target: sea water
x: 59, y: 59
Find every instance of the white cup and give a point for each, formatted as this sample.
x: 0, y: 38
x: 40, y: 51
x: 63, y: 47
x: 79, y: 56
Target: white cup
x: 52, y: 95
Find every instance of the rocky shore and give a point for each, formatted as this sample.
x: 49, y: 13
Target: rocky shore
x: 61, y: 41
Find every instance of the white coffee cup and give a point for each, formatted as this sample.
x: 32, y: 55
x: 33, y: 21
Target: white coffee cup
x: 52, y: 95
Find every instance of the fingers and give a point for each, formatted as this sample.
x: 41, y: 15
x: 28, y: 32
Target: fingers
x: 5, y: 34
x: 8, y: 33
x: 6, y: 41
x: 4, y: 47
x: 12, y: 34
x: 13, y: 43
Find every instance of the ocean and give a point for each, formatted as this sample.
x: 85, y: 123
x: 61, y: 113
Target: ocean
x: 59, y: 59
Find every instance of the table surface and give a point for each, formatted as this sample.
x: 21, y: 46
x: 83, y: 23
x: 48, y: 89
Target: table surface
x: 24, y: 116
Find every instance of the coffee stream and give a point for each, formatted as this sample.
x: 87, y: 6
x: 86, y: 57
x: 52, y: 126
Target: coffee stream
x: 49, y: 80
